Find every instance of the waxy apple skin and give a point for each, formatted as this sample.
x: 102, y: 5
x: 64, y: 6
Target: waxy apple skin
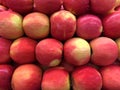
x: 27, y: 77
x: 36, y: 25
x: 49, y: 52
x: 86, y: 78
x: 6, y: 72
x: 10, y: 25
x: 89, y: 26
x: 111, y: 79
x: 104, y: 51
x: 22, y: 50
x: 63, y: 25
x: 55, y: 78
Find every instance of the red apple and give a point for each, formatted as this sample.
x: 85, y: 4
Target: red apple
x: 104, y: 51
x: 111, y: 77
x: 89, y: 26
x: 111, y: 25
x: 77, y: 51
x: 77, y: 7
x: 22, y: 50
x: 4, y: 50
x: 10, y: 25
x: 36, y: 25
x: 49, y: 52
x: 86, y: 78
x: 20, y: 6
x: 103, y: 6
x: 2, y: 8
x: 47, y: 6
x: 6, y: 72
x: 27, y: 77
x: 63, y: 25
x: 55, y: 79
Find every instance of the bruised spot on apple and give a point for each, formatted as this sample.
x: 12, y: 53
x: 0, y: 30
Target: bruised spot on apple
x: 63, y: 25
x: 49, y: 52
x: 104, y: 51
x: 26, y: 77
x: 36, y: 25
x: 10, y: 25
x: 55, y: 78
x: 86, y: 78
x: 77, y: 51
x: 22, y: 50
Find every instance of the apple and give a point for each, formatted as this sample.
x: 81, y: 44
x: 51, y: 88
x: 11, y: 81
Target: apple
x: 104, y: 51
x: 4, y: 50
x: 36, y: 25
x: 22, y: 50
x: 47, y: 6
x: 6, y: 72
x: 10, y: 25
x: 49, y: 52
x: 103, y: 7
x: 21, y: 6
x: 77, y: 7
x: 2, y: 8
x: 63, y: 25
x: 111, y: 25
x: 111, y: 79
x: 77, y: 51
x: 27, y: 77
x: 86, y: 78
x: 89, y: 26
x: 118, y: 44
x: 55, y: 78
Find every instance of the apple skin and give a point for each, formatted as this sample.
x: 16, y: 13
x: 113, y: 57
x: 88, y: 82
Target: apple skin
x: 55, y: 78
x: 21, y: 6
x: 22, y: 50
x: 86, y: 78
x: 77, y: 51
x: 103, y: 7
x: 4, y: 50
x: 77, y: 7
x: 2, y: 8
x: 105, y: 51
x: 111, y: 25
x: 118, y: 44
x: 27, y: 77
x: 6, y: 72
x: 111, y: 79
x: 51, y: 55
x: 36, y: 25
x: 47, y: 6
x: 63, y: 25
x: 10, y: 25
x: 89, y: 26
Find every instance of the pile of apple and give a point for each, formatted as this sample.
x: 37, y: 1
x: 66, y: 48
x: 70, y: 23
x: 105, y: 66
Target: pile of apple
x: 59, y: 44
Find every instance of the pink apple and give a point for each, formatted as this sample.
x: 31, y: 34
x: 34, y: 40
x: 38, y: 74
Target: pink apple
x: 21, y: 6
x: 10, y: 25
x: 63, y: 25
x: 104, y: 51
x: 36, y: 25
x: 6, y: 72
x: 111, y: 79
x: 77, y: 51
x: 27, y: 77
x: 55, y: 78
x: 4, y: 50
x: 49, y: 52
x: 77, y: 7
x: 22, y: 50
x: 111, y: 25
x: 47, y: 6
x: 86, y: 78
x: 89, y: 26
